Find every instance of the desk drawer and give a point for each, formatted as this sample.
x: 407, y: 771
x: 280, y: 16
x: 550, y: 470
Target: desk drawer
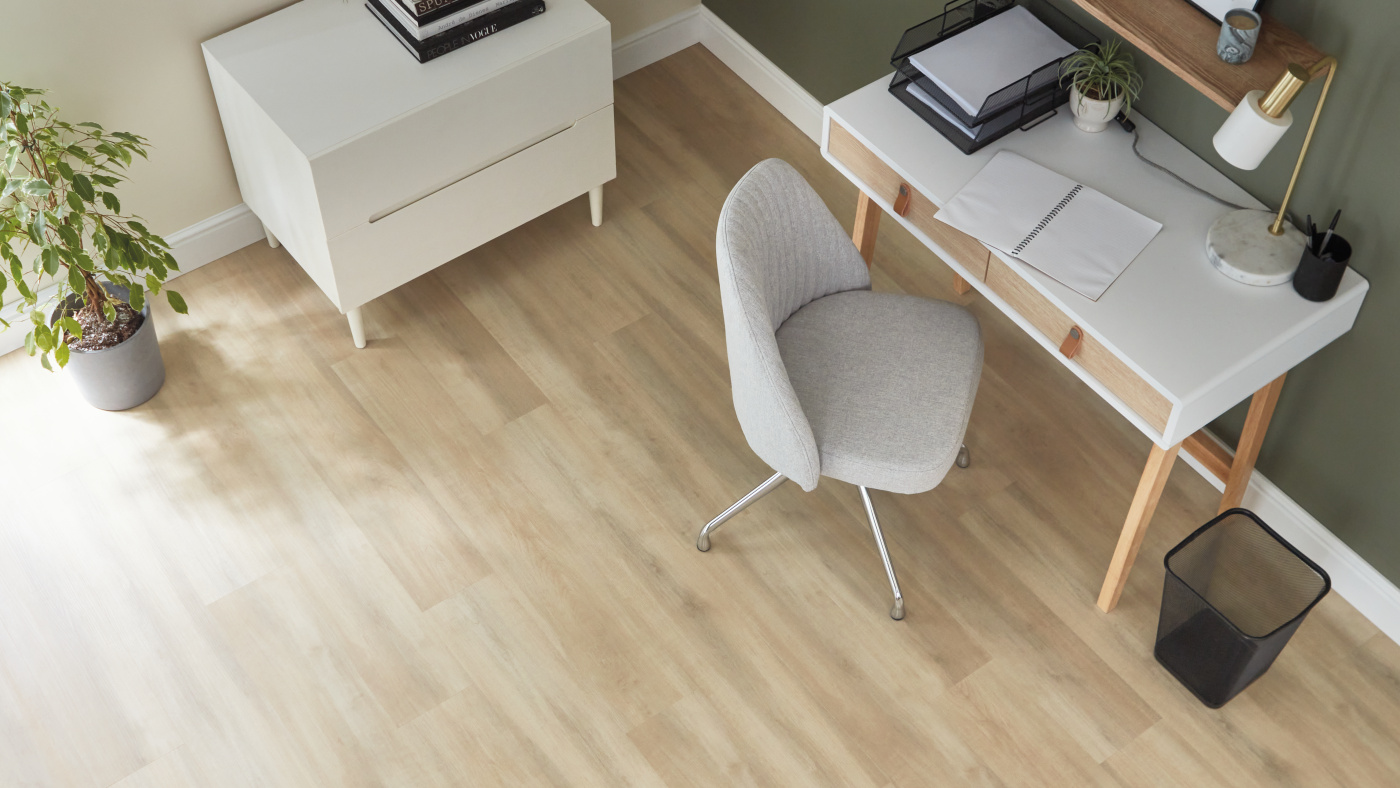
x: 966, y: 250
x: 1092, y: 356
x: 378, y: 256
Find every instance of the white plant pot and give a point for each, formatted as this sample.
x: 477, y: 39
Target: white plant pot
x: 1092, y: 115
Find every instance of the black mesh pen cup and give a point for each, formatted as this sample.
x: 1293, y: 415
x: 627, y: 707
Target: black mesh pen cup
x: 1317, y: 277
x: 1235, y: 592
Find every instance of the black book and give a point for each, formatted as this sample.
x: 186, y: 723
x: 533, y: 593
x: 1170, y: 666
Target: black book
x: 428, y: 10
x: 458, y: 37
x: 436, y: 9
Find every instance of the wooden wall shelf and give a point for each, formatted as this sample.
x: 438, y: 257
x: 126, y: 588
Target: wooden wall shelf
x: 1180, y: 37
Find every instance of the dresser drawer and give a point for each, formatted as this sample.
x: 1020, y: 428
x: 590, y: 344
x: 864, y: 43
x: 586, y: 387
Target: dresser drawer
x: 378, y: 256
x: 437, y: 144
x: 885, y: 182
x: 1146, y: 401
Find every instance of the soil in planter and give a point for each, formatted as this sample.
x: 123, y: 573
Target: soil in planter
x: 98, y: 334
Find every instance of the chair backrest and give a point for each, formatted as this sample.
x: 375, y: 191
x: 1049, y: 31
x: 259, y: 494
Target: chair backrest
x: 779, y: 248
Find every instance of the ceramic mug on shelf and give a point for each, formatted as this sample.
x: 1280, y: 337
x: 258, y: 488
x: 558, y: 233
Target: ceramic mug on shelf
x: 1239, y: 34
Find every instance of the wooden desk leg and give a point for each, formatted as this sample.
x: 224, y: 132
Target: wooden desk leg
x: 960, y: 285
x: 867, y: 226
x: 1149, y: 491
x: 1261, y: 410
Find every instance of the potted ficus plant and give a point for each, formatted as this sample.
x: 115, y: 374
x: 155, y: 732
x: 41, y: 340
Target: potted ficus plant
x: 1103, y: 81
x: 81, y: 269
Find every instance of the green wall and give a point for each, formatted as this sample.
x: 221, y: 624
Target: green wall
x: 1334, y: 446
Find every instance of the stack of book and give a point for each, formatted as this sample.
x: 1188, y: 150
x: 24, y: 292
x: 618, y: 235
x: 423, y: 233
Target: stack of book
x: 432, y: 28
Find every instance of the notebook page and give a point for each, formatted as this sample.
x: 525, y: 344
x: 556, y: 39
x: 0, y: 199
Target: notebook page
x: 1076, y: 235
x: 972, y: 65
x: 1090, y: 242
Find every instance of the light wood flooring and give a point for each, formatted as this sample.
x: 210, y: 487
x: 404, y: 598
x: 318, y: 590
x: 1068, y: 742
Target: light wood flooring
x: 465, y: 555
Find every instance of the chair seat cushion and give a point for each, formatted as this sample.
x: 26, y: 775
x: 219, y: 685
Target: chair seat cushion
x: 887, y: 382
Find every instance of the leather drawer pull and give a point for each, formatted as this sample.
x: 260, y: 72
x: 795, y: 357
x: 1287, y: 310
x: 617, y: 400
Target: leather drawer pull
x: 1073, y: 340
x: 901, y: 203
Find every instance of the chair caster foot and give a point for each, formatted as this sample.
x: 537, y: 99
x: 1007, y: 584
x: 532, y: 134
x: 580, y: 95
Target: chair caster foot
x: 964, y: 457
x: 703, y: 543
x: 897, y: 612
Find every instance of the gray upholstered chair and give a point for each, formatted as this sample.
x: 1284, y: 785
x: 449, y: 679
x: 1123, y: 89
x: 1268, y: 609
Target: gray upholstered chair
x: 829, y: 378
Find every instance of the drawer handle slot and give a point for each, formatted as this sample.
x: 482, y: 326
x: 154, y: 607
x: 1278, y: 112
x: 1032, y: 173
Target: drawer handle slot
x: 1073, y: 340
x: 901, y: 203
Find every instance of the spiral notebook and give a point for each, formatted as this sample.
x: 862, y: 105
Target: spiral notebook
x: 1070, y: 232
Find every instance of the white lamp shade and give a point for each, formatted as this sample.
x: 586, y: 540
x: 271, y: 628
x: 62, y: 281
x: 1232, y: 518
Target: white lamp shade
x: 1248, y: 134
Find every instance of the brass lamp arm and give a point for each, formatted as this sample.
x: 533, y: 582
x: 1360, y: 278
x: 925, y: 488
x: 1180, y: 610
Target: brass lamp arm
x: 1330, y: 64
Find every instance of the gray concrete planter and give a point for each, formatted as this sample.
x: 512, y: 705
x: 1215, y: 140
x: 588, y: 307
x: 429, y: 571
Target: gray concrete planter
x: 123, y: 376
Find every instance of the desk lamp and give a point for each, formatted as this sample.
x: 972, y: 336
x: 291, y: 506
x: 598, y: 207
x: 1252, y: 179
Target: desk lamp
x: 1243, y: 244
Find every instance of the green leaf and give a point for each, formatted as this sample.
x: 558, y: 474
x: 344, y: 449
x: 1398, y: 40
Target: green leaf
x: 110, y: 200
x: 29, y: 346
x: 76, y: 280
x: 136, y: 297
x: 109, y: 311
x: 37, y: 187
x: 60, y: 354
x: 5, y: 104
x: 91, y: 125
x: 170, y: 261
x: 51, y: 261
x: 84, y: 262
x: 139, y: 228
x: 64, y: 169
x: 72, y: 326
x: 37, y: 228
x: 70, y: 236
x: 75, y: 202
x: 83, y: 187
x: 176, y: 302
x: 152, y: 283
x: 22, y: 123
x: 44, y: 359
x: 43, y: 338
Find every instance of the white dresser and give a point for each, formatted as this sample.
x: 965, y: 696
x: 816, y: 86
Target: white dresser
x: 373, y: 169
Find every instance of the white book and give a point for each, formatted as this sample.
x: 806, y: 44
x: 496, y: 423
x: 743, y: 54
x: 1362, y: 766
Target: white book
x: 1076, y: 235
x: 467, y: 14
x: 972, y: 65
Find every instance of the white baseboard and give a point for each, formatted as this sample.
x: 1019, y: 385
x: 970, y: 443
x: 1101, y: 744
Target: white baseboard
x: 780, y: 90
x: 660, y: 41
x: 1353, y: 578
x: 699, y: 25
x: 199, y: 244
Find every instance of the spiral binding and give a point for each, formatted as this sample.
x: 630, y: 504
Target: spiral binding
x: 1049, y: 217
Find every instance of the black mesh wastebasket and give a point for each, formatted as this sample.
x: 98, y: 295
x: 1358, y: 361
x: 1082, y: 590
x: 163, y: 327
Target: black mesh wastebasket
x: 1235, y: 593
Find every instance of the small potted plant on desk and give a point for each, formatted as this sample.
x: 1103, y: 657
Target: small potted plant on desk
x: 65, y: 242
x: 1103, y: 81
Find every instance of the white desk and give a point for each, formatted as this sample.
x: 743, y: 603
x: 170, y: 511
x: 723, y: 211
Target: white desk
x: 1171, y: 345
x: 373, y: 169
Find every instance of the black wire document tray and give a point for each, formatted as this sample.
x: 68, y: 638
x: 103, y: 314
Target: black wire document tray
x: 1020, y: 104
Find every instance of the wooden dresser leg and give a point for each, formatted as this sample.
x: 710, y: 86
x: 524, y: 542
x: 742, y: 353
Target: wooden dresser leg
x: 1149, y: 491
x: 960, y: 285
x: 867, y: 226
x: 595, y: 205
x: 357, y: 326
x: 1261, y: 410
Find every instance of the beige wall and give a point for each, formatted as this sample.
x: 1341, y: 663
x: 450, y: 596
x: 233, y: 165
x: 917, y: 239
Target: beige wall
x: 136, y: 66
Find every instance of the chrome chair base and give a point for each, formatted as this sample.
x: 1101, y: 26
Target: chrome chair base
x: 774, y: 481
x: 702, y: 542
x: 896, y: 612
